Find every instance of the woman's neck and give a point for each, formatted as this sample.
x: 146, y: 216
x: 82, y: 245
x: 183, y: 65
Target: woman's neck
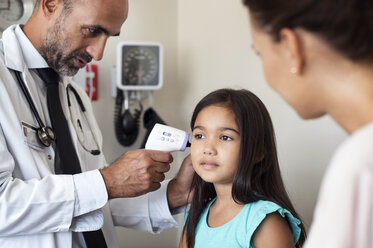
x: 351, y: 99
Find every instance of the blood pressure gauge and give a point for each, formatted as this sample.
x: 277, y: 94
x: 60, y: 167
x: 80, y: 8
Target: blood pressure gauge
x: 14, y: 11
x: 139, y: 66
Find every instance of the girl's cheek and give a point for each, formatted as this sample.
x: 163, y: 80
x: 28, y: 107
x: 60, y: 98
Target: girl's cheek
x: 194, y: 154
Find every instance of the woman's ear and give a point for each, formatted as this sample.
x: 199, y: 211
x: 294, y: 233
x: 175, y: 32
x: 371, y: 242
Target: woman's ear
x: 292, y: 45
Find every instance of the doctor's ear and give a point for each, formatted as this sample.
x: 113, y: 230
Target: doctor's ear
x: 291, y: 42
x: 51, y: 7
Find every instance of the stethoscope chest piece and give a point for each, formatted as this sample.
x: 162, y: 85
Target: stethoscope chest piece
x: 46, y: 136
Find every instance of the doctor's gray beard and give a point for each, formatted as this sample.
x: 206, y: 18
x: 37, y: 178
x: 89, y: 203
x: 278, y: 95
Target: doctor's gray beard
x: 53, y: 47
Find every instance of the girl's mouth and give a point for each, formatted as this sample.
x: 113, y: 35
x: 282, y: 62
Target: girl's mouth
x: 209, y: 165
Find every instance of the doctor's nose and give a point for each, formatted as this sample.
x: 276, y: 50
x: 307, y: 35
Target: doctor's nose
x: 96, y: 49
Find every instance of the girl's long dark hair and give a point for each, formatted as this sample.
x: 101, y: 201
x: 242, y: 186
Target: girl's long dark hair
x: 258, y: 174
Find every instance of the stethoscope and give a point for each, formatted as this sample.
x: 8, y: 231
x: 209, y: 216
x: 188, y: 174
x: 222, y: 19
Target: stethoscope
x: 45, y: 133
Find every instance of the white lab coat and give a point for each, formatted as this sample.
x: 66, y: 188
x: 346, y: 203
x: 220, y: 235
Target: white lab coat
x: 38, y: 208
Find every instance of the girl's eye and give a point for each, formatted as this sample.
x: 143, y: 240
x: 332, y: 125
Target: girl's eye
x: 226, y: 138
x: 198, y: 136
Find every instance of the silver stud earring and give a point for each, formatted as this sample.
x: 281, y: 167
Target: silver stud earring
x: 293, y: 70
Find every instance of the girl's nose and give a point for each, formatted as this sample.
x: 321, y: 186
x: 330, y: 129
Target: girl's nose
x: 207, y: 152
x: 209, y: 149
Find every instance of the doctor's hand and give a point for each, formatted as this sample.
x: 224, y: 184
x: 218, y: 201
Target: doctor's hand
x: 178, y: 190
x: 136, y: 173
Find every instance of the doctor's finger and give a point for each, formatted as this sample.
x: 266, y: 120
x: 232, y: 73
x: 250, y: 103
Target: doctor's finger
x: 160, y: 167
x: 158, y: 177
x: 154, y: 186
x: 160, y: 156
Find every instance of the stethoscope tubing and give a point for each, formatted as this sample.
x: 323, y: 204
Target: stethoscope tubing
x: 83, y: 109
x: 29, y: 100
x: 45, y: 132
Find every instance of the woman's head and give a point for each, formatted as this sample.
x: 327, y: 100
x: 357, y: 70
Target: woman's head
x: 345, y: 25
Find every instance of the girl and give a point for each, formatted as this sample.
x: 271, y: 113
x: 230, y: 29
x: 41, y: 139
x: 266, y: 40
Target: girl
x: 239, y: 198
x: 318, y: 55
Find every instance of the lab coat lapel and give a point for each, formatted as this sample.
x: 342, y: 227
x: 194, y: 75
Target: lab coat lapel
x: 12, y: 51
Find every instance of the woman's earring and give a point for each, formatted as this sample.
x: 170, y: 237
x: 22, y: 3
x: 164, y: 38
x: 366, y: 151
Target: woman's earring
x: 293, y: 70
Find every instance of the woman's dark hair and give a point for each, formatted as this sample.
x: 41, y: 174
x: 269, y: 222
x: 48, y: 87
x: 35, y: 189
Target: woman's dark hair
x: 346, y: 25
x: 258, y: 174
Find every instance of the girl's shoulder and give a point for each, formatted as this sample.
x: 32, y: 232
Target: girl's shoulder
x: 238, y: 232
x: 257, y: 211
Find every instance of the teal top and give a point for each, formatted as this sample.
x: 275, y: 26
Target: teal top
x: 239, y: 230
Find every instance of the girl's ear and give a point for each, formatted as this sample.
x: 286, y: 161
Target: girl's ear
x: 261, y: 155
x: 260, y: 158
x: 292, y: 45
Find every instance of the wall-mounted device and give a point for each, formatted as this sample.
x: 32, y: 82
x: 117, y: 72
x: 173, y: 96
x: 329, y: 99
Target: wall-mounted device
x: 168, y: 139
x: 14, y: 11
x: 139, y: 70
x: 139, y: 66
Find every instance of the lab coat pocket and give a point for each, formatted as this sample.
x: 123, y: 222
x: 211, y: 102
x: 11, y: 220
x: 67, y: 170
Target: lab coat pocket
x: 30, y: 137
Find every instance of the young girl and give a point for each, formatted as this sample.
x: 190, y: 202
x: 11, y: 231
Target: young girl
x: 239, y: 198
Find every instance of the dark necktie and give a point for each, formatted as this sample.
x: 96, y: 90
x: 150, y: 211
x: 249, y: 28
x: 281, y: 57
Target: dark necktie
x: 66, y: 161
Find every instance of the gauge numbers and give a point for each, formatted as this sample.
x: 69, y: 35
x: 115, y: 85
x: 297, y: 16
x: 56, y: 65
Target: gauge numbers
x: 140, y: 66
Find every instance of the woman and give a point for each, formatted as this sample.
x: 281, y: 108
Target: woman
x: 318, y: 55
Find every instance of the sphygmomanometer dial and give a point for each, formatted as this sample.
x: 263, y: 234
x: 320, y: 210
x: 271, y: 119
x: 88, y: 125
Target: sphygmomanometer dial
x: 14, y: 11
x: 140, y: 66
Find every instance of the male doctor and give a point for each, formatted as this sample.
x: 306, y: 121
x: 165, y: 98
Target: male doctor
x: 43, y: 204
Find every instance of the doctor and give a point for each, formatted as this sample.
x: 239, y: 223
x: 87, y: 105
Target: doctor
x: 40, y: 205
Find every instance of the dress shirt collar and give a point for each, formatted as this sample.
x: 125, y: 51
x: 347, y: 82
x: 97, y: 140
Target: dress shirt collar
x: 32, y: 57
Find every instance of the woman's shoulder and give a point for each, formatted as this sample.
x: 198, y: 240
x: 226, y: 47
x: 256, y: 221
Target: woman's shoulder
x: 258, y: 211
x: 351, y: 161
x: 356, y: 149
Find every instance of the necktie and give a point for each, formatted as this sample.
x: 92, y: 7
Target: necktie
x: 66, y: 161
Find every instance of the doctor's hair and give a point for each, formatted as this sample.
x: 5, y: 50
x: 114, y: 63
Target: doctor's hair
x: 258, y: 175
x: 345, y: 25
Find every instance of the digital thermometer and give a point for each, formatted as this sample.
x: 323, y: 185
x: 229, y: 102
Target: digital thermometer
x: 168, y: 139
